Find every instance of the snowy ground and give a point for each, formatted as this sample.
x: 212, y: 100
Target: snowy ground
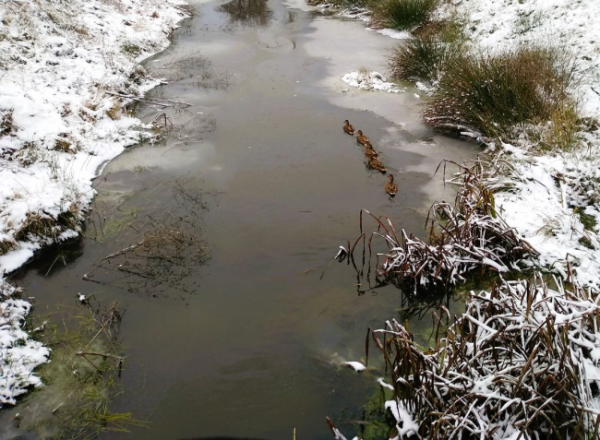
x: 64, y: 69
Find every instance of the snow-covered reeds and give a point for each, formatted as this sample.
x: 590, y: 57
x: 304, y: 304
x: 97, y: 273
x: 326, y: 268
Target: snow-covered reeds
x: 465, y: 236
x: 522, y: 362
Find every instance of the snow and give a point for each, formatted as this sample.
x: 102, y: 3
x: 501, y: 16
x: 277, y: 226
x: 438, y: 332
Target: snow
x: 62, y: 65
x: 370, y: 80
x: 19, y: 354
x: 397, y: 35
x: 549, y: 190
x: 356, y: 366
x: 500, y: 24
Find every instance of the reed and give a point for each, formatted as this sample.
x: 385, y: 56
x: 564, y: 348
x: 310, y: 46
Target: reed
x: 464, y: 237
x: 518, y: 362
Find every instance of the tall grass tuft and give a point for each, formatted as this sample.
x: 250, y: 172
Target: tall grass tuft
x: 489, y: 93
x: 422, y: 58
x: 402, y: 15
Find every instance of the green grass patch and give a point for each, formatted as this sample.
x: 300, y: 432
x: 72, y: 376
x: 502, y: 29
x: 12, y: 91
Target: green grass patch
x: 422, y: 58
x: 587, y: 220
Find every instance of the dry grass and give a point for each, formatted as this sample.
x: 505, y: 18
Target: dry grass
x: 490, y: 94
x: 6, y: 246
x: 6, y: 123
x: 42, y: 225
x: 64, y: 144
x: 114, y: 112
x: 36, y: 225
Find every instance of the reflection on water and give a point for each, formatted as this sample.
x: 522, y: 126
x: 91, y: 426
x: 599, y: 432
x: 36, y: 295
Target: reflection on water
x: 247, y: 12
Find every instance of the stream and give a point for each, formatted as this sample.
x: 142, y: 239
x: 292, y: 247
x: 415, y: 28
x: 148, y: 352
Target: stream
x: 239, y: 336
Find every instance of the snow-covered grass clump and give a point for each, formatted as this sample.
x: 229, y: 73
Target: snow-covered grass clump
x: 68, y: 68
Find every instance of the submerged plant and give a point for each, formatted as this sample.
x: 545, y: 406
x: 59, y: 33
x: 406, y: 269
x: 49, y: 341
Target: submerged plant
x: 82, y: 378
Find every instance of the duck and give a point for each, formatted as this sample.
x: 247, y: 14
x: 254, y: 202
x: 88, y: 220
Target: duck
x: 376, y: 164
x: 348, y: 128
x: 391, y: 188
x: 362, y: 139
x: 370, y: 152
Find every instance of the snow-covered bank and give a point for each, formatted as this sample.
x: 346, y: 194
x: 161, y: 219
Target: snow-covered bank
x: 64, y: 69
x: 554, y: 194
x: 19, y: 355
x: 552, y: 198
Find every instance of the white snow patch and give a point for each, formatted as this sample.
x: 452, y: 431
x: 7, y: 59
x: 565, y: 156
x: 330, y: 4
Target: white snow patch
x: 356, y: 366
x: 370, y: 80
x: 396, y: 35
x: 19, y: 354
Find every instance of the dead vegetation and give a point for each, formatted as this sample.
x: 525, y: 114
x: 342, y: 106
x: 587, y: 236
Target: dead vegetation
x: 465, y: 237
x: 6, y: 246
x: 36, y: 225
x: 41, y: 225
x: 165, y: 251
x: 6, y: 123
x: 518, y: 360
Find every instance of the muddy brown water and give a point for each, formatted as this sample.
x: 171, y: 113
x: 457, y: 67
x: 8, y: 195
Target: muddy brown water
x: 259, y: 172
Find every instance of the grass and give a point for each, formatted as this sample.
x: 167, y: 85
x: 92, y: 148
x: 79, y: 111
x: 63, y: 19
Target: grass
x: 6, y: 123
x: 422, y: 58
x: 402, y: 15
x: 131, y: 49
x: 6, y: 246
x: 491, y: 93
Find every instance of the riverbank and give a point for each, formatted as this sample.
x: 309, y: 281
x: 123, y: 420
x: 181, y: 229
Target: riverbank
x: 68, y: 73
x: 543, y: 174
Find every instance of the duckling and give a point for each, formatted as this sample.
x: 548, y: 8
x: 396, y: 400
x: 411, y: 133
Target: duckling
x: 376, y: 164
x: 348, y: 128
x: 391, y: 188
x: 370, y: 152
x: 362, y: 139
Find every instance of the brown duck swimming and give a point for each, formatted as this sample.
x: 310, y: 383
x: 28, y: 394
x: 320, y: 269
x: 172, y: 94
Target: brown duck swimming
x: 391, y: 188
x: 348, y: 128
x: 362, y: 139
x: 376, y: 164
x: 371, y: 153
